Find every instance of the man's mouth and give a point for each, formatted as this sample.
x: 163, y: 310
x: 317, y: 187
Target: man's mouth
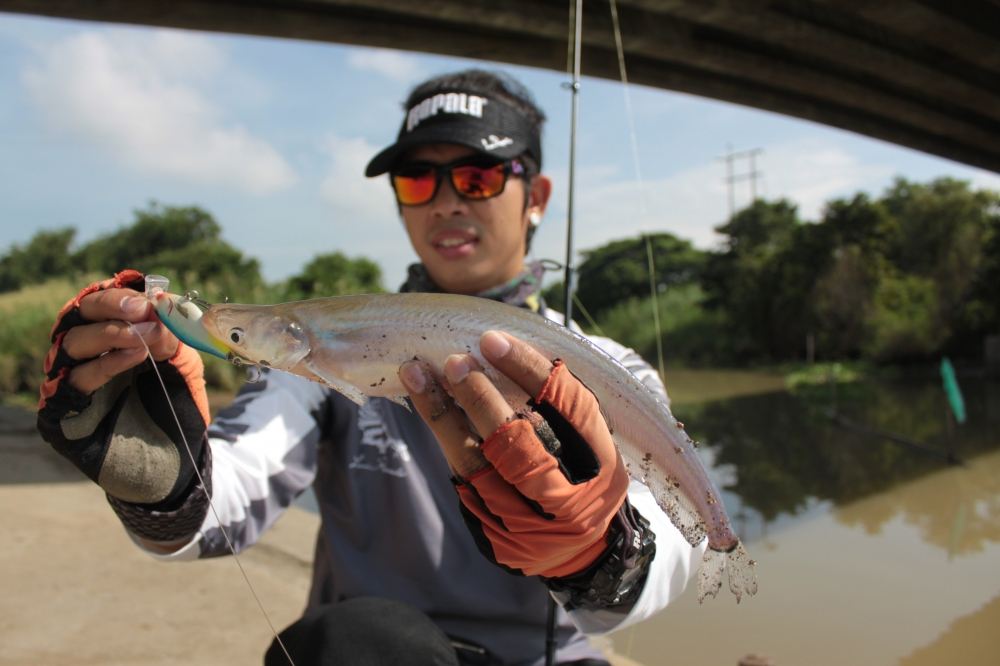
x: 455, y: 243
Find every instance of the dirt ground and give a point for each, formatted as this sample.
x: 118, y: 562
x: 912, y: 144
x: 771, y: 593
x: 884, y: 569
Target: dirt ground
x: 74, y: 589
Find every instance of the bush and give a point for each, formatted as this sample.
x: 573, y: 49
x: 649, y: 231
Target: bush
x: 690, y: 333
x: 28, y: 315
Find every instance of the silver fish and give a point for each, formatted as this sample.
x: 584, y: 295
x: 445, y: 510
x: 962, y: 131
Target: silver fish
x: 355, y: 344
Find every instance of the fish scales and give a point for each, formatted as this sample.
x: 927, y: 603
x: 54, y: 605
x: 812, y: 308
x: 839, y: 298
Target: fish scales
x: 357, y: 343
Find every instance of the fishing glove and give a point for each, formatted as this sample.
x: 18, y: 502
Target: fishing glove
x: 124, y: 436
x: 554, y: 503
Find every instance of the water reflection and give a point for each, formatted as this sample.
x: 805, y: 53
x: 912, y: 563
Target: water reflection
x: 968, y: 639
x: 959, y: 512
x: 784, y: 455
x: 869, y: 551
x: 919, y: 588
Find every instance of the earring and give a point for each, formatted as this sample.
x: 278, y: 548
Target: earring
x: 535, y: 219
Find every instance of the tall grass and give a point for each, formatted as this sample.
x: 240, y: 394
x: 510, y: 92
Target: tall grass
x: 27, y: 316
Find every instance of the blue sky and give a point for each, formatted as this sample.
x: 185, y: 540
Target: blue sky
x: 271, y: 136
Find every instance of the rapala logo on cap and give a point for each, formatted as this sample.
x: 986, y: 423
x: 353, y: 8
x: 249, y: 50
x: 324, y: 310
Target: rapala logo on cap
x: 492, y: 142
x: 469, y: 105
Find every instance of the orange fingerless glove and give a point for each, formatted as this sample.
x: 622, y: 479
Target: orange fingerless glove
x: 124, y: 436
x: 555, y: 485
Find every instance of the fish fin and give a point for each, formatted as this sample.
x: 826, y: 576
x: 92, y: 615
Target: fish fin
x: 742, y: 572
x: 349, y: 391
x: 710, y: 574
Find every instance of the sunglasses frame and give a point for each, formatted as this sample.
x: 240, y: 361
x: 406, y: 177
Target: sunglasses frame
x: 511, y: 167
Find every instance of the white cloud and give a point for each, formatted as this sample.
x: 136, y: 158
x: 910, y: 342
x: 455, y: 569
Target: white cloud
x: 344, y: 185
x: 689, y: 204
x: 147, y: 100
x: 393, y: 65
x: 365, y: 219
x: 980, y: 179
x: 811, y: 172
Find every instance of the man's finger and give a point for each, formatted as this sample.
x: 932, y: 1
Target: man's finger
x: 515, y: 358
x: 460, y: 446
x: 90, y: 340
x: 124, y: 304
x: 476, y: 394
x: 161, y: 342
x: 92, y: 375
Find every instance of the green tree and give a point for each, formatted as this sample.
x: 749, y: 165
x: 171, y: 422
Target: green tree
x: 856, y: 235
x: 332, y: 275
x: 861, y: 222
x: 947, y: 236
x: 47, y: 255
x: 843, y: 301
x: 980, y: 315
x: 156, y: 230
x: 903, y: 319
x: 757, y: 278
x: 618, y: 271
x: 182, y: 242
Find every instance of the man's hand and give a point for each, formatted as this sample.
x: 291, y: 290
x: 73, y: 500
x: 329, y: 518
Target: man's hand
x: 111, y: 418
x: 541, y: 490
x: 113, y: 342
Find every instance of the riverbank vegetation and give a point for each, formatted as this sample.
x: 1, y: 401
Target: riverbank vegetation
x: 183, y: 243
x: 905, y: 277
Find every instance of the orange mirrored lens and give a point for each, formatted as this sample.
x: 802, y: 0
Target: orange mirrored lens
x: 476, y: 182
x: 415, y: 188
x: 417, y: 183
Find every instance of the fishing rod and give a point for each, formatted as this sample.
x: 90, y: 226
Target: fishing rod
x: 574, y: 42
x: 576, y: 16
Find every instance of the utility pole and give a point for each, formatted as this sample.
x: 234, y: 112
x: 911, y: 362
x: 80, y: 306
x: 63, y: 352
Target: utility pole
x: 731, y: 178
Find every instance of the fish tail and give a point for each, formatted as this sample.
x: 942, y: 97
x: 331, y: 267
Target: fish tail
x: 742, y: 573
x: 710, y: 574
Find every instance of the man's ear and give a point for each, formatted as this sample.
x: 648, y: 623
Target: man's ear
x: 538, y: 195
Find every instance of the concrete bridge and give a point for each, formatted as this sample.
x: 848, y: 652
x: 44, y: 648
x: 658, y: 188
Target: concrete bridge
x: 920, y: 73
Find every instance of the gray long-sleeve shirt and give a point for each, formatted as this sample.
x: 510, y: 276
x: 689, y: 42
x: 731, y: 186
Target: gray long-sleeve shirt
x: 390, y: 522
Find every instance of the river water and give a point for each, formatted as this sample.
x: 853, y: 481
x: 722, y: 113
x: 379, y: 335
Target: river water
x: 873, y: 545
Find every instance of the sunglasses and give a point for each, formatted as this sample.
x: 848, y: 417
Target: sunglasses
x: 475, y: 178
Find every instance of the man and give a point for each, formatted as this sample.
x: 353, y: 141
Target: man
x: 404, y: 571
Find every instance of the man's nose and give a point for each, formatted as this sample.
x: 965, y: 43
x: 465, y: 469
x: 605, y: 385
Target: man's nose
x: 447, y: 201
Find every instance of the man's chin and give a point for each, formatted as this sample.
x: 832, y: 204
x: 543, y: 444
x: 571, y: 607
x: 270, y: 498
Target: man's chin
x: 461, y: 277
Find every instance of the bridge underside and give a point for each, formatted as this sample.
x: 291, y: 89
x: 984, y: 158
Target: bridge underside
x: 923, y: 74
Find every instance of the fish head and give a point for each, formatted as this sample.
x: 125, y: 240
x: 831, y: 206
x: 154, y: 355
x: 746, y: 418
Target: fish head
x: 257, y: 335
x: 182, y: 315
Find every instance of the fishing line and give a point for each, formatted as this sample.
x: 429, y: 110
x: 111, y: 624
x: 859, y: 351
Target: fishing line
x: 211, y: 504
x: 643, y: 210
x: 574, y: 42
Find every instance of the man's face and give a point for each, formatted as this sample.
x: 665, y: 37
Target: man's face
x: 470, y: 246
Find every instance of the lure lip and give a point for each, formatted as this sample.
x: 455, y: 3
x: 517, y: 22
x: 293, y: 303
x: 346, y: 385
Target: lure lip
x: 181, y: 315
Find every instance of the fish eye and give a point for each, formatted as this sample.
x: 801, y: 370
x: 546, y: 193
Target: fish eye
x: 236, y: 335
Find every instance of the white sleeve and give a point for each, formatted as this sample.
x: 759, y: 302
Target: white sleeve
x: 263, y: 457
x: 669, y: 572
